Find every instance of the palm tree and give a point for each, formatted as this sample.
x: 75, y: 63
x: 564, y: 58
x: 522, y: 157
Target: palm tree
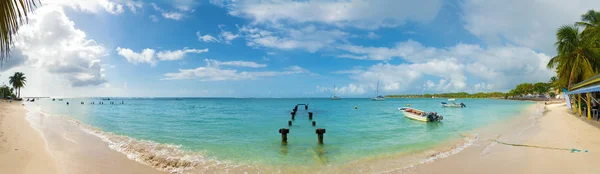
x: 18, y: 81
x: 578, y: 57
x: 14, y: 13
x: 591, y: 23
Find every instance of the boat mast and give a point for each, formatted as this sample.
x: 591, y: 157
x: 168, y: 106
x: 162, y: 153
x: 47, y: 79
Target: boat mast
x: 377, y: 91
x: 333, y: 90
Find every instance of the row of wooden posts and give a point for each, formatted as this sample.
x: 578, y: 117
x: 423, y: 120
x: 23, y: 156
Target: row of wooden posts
x: 285, y: 131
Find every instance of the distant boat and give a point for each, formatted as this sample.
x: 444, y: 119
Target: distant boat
x: 333, y: 96
x: 419, y: 115
x: 378, y: 97
x: 452, y: 104
x: 106, y: 99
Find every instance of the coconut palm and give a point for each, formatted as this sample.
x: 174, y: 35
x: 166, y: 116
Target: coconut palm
x: 18, y: 81
x: 591, y: 23
x: 578, y: 57
x: 14, y: 14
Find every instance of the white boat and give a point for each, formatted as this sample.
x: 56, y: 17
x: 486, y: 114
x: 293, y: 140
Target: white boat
x: 333, y: 96
x: 452, y: 104
x: 419, y: 115
x: 378, y: 97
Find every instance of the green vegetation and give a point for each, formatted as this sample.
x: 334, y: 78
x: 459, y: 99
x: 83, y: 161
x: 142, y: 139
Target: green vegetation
x: 6, y: 92
x: 578, y: 52
x: 452, y: 95
x: 18, y: 81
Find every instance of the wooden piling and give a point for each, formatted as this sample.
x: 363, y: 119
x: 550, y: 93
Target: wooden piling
x: 310, y: 115
x: 314, y: 123
x: 320, y: 132
x: 284, y: 132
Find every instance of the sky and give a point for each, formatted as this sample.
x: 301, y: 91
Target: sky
x: 279, y: 48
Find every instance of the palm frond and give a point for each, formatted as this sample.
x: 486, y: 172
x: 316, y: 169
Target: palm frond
x: 13, y: 13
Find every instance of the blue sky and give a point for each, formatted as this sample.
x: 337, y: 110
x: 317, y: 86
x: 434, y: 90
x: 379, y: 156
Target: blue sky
x: 226, y: 48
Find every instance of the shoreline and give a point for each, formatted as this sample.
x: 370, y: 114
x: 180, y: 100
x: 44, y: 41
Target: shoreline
x: 472, y: 148
x: 175, y: 160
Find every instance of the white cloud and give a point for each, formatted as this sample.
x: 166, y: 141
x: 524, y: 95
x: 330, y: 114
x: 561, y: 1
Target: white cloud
x: 50, y: 42
x: 91, y: 6
x: 216, y: 63
x: 173, y: 15
x: 356, y: 13
x: 228, y: 36
x: 206, y: 37
x: 496, y: 68
x: 168, y: 15
x: 178, y: 54
x: 210, y: 72
x: 521, y: 25
x: 308, y: 38
x: 407, y: 50
x: 134, y: 5
x: 146, y: 56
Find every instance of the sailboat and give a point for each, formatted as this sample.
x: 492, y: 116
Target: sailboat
x: 333, y: 96
x: 378, y: 97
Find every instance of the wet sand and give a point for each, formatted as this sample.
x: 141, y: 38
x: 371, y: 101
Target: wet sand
x: 554, y: 143
x: 58, y: 147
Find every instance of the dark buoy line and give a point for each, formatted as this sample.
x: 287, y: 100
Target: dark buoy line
x: 320, y: 132
x: 67, y: 103
x: 310, y: 114
x: 314, y: 123
x: 289, y: 123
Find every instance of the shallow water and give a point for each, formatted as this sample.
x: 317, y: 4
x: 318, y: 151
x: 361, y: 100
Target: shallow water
x: 246, y: 130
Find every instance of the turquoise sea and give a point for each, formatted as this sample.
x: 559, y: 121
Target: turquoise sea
x: 246, y: 130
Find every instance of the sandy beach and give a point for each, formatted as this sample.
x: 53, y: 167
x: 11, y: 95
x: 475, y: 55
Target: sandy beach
x: 58, y: 146
x: 22, y: 148
x: 555, y: 142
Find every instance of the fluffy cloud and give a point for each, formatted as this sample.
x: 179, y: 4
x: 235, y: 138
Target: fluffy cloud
x: 213, y: 72
x: 148, y: 55
x: 178, y: 54
x: 51, y: 42
x: 495, y: 68
x: 521, y: 25
x: 308, y: 38
x: 356, y: 13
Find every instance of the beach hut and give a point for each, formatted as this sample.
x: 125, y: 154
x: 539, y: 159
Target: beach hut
x: 586, y: 92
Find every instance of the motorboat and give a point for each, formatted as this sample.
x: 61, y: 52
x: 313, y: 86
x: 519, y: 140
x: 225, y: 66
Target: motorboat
x: 452, y: 104
x: 419, y: 115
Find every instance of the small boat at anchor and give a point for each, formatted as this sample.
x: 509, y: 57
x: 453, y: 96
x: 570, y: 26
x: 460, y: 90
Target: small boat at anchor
x: 419, y: 115
x: 452, y: 104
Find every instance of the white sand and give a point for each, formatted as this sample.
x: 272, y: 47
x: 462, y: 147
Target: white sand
x: 22, y: 148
